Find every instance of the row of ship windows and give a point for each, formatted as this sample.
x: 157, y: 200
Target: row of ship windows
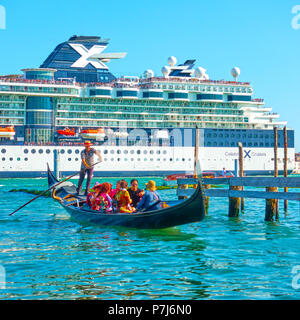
x: 118, y: 159
x: 48, y: 151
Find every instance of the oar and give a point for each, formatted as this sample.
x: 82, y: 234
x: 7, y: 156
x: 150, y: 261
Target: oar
x: 54, y: 186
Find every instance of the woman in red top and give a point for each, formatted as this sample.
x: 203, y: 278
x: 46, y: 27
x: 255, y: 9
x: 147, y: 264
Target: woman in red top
x: 92, y: 198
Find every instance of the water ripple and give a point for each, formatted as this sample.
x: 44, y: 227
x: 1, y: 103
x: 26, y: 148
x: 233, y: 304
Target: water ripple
x: 46, y: 255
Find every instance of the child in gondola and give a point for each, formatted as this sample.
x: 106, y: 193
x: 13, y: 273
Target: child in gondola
x: 123, y: 199
x: 105, y: 201
x: 92, y: 198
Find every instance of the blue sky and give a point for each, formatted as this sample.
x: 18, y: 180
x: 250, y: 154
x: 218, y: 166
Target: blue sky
x: 256, y: 36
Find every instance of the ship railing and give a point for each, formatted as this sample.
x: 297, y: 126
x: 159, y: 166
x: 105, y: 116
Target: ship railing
x: 31, y: 81
x: 191, y: 80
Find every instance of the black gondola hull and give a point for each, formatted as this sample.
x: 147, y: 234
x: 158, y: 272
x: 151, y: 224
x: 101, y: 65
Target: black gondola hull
x: 187, y: 211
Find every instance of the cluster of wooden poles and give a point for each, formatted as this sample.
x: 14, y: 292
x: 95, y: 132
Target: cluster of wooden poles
x: 237, y: 204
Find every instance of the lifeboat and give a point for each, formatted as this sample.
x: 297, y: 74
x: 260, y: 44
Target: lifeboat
x: 66, y: 132
x: 93, y: 134
x: 7, y: 132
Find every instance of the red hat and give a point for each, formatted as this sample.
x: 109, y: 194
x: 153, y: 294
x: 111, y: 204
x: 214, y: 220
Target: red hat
x: 97, y: 185
x: 88, y: 143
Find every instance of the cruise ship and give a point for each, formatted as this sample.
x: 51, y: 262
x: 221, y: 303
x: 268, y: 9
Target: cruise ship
x: 143, y: 125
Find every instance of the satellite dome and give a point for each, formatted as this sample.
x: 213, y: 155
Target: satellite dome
x: 165, y: 71
x: 172, y: 61
x: 235, y: 72
x: 200, y: 72
x: 148, y: 74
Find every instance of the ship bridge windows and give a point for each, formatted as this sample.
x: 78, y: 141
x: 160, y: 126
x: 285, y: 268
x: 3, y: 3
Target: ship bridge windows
x: 238, y: 98
x: 126, y: 93
x: 152, y: 94
x: 178, y: 95
x: 204, y: 96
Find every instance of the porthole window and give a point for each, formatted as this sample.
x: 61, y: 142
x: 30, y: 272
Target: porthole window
x: 69, y: 159
x: 125, y: 151
x: 25, y: 150
x: 151, y: 151
x: 112, y: 159
x: 33, y: 151
x: 118, y: 151
x: 105, y: 152
x: 18, y: 159
x: 77, y: 151
x: 138, y: 152
x: 69, y: 151
x: 62, y: 151
x: 3, y: 150
x: 158, y: 151
x: 119, y: 159
x: 26, y: 159
x: 48, y: 151
x: 151, y: 159
x: 11, y: 159
x: 164, y: 152
x: 145, y: 152
x: 41, y: 151
x: 76, y: 159
x: 131, y: 151
x: 3, y: 159
x: 112, y: 151
x: 105, y: 159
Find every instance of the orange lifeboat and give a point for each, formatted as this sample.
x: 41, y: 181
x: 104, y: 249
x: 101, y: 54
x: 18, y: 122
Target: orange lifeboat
x: 66, y: 132
x: 7, y: 132
x: 93, y: 133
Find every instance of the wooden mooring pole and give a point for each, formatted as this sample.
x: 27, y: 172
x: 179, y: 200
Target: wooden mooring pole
x: 272, y: 204
x: 206, y: 199
x: 285, y: 165
x: 235, y: 203
x: 56, y: 164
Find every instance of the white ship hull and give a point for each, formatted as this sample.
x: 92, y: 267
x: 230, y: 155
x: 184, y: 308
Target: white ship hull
x: 31, y: 161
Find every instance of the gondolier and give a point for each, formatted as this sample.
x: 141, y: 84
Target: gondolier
x: 87, y: 160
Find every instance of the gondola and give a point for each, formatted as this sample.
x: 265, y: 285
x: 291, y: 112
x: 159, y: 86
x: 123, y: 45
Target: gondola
x: 187, y: 211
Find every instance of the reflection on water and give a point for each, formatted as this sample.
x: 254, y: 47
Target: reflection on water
x: 47, y: 255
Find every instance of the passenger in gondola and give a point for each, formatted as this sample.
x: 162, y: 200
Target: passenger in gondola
x: 123, y: 199
x: 135, y: 192
x: 151, y: 200
x: 104, y: 198
x: 92, y: 198
x: 113, y: 192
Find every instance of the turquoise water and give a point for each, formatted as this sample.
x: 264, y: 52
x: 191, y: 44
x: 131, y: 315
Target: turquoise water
x: 46, y: 255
